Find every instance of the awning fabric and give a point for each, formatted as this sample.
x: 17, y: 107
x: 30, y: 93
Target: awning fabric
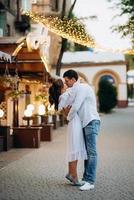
x: 5, y: 56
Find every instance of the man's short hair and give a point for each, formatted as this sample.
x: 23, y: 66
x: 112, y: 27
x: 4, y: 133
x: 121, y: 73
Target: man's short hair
x: 71, y: 74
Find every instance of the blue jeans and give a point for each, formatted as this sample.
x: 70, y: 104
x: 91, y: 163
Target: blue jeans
x: 90, y: 165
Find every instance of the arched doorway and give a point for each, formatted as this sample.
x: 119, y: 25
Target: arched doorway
x: 109, y: 75
x: 108, y: 78
x: 82, y: 77
x: 115, y: 78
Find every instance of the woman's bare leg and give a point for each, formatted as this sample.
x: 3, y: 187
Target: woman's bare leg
x: 72, y: 167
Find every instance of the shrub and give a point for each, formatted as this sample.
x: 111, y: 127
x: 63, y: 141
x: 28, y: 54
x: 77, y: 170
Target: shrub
x: 107, y: 96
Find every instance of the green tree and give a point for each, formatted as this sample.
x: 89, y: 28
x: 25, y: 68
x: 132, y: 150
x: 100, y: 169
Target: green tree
x: 127, y: 8
x: 130, y: 62
x: 107, y: 96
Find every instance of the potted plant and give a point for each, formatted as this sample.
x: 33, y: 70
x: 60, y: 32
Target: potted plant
x: 15, y: 94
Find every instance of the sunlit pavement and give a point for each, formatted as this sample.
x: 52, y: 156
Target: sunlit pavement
x: 38, y: 174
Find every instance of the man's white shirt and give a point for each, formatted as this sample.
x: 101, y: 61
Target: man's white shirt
x: 84, y: 103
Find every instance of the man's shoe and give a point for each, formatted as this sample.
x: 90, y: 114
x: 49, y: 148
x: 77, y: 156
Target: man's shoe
x: 87, y: 186
x: 82, y: 182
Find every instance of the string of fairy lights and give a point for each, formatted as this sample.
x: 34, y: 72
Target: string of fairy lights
x: 73, y: 30
x: 67, y: 28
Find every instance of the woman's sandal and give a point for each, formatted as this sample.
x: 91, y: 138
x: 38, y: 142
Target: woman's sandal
x: 74, y: 182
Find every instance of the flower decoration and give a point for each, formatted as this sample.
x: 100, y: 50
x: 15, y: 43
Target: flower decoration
x: 43, y: 98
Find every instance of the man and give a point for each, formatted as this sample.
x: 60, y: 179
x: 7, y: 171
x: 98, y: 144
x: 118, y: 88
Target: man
x: 85, y: 105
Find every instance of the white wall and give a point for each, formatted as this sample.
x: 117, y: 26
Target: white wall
x: 122, y: 95
x: 91, y: 71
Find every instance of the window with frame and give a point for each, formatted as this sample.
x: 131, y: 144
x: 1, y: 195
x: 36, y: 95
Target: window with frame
x: 55, y: 5
x: 8, y: 30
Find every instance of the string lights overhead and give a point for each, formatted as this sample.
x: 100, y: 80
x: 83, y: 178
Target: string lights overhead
x: 72, y: 30
x: 67, y: 28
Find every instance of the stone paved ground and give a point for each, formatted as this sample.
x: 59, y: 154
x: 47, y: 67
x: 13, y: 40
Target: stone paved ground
x: 12, y: 155
x: 39, y: 173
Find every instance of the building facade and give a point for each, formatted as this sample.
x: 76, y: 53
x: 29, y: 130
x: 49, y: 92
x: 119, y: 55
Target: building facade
x: 51, y: 8
x: 29, y: 62
x: 8, y: 13
x: 95, y: 66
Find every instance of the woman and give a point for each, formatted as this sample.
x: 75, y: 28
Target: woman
x: 61, y: 97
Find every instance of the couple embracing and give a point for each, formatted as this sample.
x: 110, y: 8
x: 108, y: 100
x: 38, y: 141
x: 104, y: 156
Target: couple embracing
x: 78, y: 102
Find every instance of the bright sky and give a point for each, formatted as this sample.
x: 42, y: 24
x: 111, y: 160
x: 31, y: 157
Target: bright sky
x: 100, y: 28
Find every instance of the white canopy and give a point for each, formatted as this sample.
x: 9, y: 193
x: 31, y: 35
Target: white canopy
x: 5, y: 56
x: 93, y: 57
